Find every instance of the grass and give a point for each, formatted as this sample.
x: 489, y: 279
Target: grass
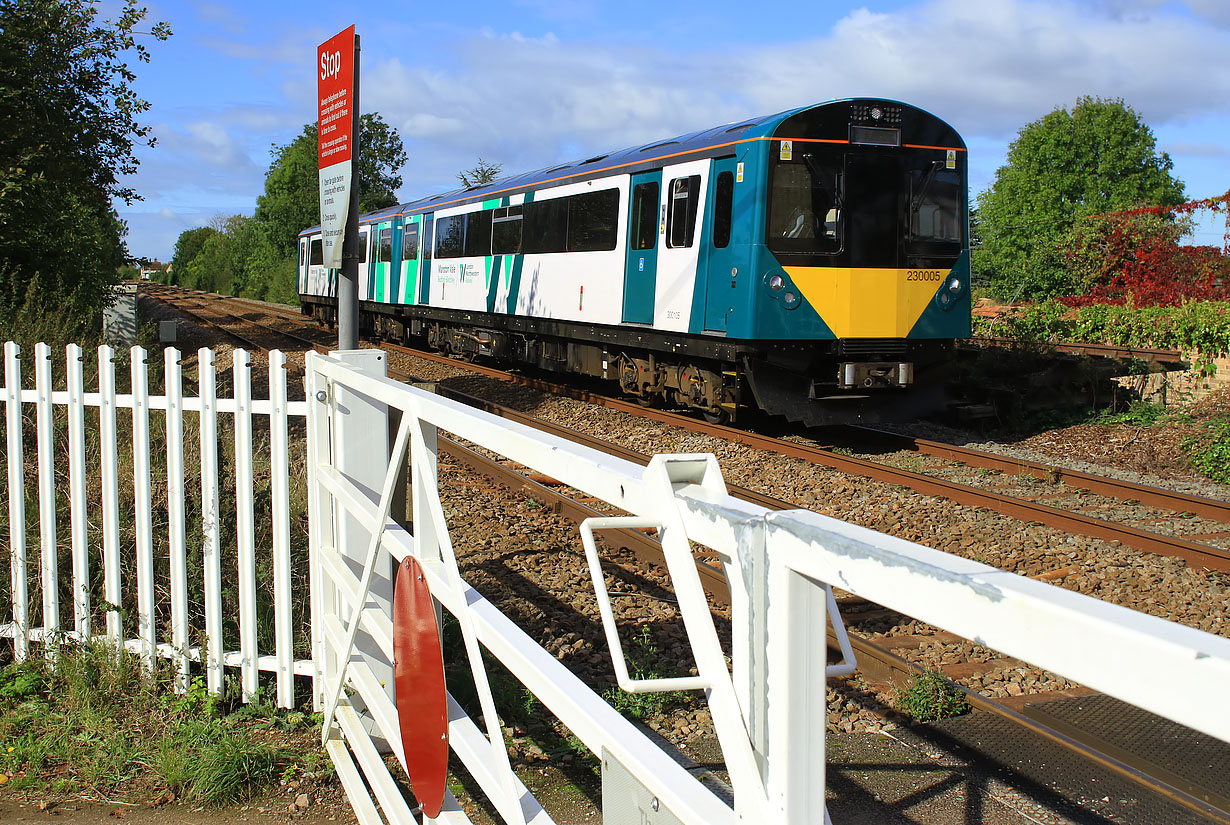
x: 1210, y: 451
x: 642, y: 661
x: 930, y: 697
x: 97, y: 725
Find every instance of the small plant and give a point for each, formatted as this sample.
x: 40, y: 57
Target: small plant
x: 1139, y: 414
x: 1211, y: 453
x: 642, y: 659
x: 930, y: 697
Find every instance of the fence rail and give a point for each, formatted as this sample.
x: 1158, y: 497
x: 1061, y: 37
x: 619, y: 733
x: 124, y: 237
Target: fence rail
x: 95, y: 419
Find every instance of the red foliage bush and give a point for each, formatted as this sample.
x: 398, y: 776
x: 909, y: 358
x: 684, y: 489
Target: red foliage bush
x: 1135, y: 257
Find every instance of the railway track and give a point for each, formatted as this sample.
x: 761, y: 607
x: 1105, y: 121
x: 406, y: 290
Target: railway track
x: 883, y: 659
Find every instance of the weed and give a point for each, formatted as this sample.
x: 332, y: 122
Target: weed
x: 642, y: 658
x: 98, y: 714
x: 930, y: 697
x: 1138, y: 414
x: 1211, y: 452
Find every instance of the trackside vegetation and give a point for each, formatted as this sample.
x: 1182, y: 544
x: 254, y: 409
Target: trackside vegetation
x: 94, y: 724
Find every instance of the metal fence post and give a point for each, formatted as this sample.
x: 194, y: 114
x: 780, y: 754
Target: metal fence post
x: 361, y: 453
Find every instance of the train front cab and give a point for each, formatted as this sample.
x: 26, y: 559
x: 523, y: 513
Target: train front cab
x: 863, y: 276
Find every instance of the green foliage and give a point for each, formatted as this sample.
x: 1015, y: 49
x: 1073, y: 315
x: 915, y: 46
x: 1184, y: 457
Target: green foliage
x: 1099, y: 157
x: 70, y: 116
x: 482, y: 174
x: 1138, y: 414
x: 1210, y: 452
x: 642, y: 658
x: 187, y: 247
x: 291, y: 202
x: 98, y: 713
x: 237, y: 258
x: 1195, y: 326
x: 930, y: 697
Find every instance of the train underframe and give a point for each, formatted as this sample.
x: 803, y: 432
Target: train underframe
x: 809, y: 382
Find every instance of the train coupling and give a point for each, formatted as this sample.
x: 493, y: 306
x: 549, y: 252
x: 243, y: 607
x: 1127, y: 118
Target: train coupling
x: 874, y: 374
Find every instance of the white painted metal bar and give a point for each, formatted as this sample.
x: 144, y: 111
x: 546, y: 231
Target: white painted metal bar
x: 1166, y: 668
x: 320, y: 528
x: 279, y: 444
x: 47, y: 495
x: 378, y: 776
x: 78, y: 517
x: 158, y: 402
x: 352, y: 783
x: 143, y: 499
x: 17, y: 502
x: 334, y: 689
x: 110, y: 495
x: 176, y: 539
x: 245, y: 522
x: 210, y: 515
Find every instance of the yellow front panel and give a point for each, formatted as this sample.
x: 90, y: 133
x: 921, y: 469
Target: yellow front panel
x: 868, y: 303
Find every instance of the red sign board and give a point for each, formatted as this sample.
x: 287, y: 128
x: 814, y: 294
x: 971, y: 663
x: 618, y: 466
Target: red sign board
x: 335, y: 90
x: 335, y: 71
x: 418, y: 680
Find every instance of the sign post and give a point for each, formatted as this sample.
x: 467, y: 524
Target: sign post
x: 337, y: 88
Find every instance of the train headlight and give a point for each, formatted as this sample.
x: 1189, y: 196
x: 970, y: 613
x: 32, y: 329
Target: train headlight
x: 777, y: 283
x: 954, y: 286
x: 790, y: 298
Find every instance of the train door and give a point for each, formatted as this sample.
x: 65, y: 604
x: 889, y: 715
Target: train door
x: 640, y: 274
x: 723, y: 272
x: 409, y: 261
x: 426, y: 243
x: 364, y: 275
x: 382, y: 245
x: 303, y: 266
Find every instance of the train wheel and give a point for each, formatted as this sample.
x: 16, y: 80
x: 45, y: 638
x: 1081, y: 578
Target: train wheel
x: 719, y: 417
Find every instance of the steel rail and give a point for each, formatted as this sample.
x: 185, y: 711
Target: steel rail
x: 1194, y: 554
x: 1127, y: 490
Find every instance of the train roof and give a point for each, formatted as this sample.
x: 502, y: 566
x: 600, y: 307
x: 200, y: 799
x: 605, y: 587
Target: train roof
x: 705, y: 143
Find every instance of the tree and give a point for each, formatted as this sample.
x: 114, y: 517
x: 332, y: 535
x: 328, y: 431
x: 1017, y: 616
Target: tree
x: 480, y: 175
x: 291, y: 202
x: 187, y: 247
x: 1099, y: 157
x: 70, y: 125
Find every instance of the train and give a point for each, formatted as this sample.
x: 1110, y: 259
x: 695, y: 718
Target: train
x: 813, y: 264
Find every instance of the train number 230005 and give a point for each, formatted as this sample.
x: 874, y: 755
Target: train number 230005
x: 924, y: 274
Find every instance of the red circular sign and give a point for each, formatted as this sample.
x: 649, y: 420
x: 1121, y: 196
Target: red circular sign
x: 418, y: 679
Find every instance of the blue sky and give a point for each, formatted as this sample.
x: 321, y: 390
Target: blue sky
x: 528, y: 83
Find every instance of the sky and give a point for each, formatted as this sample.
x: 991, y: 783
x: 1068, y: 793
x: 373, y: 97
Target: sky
x: 531, y: 83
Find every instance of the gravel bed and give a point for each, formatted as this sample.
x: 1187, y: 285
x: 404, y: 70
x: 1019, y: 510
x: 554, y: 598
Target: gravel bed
x: 515, y: 550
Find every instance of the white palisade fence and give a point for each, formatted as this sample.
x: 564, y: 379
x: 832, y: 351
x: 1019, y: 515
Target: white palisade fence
x: 159, y: 623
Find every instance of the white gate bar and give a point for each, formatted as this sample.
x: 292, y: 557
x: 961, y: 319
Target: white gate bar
x: 210, y: 516
x: 47, y: 494
x: 1169, y: 669
x: 320, y: 531
x: 280, y: 492
x: 110, y: 495
x: 387, y: 792
x: 17, y: 502
x: 78, y: 517
x: 123, y: 401
x: 173, y: 375
x: 245, y: 523
x: 352, y: 783
x: 144, y: 505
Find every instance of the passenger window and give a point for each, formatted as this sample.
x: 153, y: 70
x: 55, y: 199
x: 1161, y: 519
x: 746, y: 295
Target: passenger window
x: 506, y: 230
x: 478, y: 234
x: 450, y: 236
x: 410, y: 243
x: 681, y: 211
x: 723, y: 206
x: 363, y: 247
x: 593, y: 221
x: 317, y: 257
x: 386, y: 246
x: 302, y: 252
x: 546, y: 227
x: 645, y: 215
